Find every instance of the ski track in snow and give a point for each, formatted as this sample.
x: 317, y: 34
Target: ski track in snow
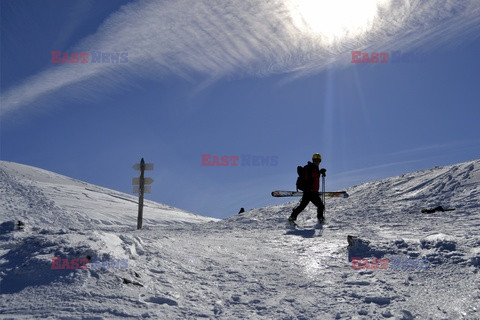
x: 249, y: 266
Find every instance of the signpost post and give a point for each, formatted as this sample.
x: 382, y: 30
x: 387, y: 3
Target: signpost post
x: 140, y: 186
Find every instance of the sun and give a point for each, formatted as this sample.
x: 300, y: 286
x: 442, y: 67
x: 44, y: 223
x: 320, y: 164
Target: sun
x: 333, y: 20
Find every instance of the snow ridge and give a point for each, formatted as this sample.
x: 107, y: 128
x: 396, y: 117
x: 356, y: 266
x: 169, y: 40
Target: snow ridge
x: 43, y: 198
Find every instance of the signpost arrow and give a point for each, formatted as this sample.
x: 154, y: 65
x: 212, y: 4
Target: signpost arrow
x: 148, y: 166
x: 136, y: 181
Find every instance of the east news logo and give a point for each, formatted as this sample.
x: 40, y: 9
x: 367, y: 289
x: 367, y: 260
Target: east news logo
x: 96, y: 57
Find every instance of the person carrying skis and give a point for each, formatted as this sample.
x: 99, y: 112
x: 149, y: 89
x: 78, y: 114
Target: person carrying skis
x: 311, y: 184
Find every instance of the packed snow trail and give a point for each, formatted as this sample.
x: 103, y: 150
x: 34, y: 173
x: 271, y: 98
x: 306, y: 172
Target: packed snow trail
x: 251, y: 266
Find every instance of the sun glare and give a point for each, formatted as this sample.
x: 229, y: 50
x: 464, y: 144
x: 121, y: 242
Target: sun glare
x: 333, y: 20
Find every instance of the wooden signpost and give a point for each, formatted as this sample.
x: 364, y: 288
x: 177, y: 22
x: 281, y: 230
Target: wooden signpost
x: 141, y: 186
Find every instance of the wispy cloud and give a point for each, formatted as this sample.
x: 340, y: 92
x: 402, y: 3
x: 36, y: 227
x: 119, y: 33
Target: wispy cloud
x: 451, y: 146
x: 205, y: 40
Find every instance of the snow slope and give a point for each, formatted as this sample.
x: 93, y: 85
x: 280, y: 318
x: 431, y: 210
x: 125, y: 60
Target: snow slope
x: 248, y: 266
x: 43, y: 198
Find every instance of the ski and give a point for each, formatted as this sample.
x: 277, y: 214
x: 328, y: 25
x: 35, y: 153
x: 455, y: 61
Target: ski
x: 333, y: 194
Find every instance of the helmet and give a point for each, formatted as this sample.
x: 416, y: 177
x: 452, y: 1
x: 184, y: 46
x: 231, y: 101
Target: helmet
x: 317, y: 157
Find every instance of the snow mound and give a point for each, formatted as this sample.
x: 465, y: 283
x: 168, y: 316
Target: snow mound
x: 440, y: 241
x: 45, y: 199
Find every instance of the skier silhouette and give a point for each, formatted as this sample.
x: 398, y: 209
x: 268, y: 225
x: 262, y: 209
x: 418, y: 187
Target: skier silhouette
x: 311, y: 184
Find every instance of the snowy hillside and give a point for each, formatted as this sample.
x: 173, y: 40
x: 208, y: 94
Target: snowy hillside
x: 415, y: 265
x: 43, y: 198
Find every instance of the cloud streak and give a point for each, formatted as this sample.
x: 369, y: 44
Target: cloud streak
x: 206, y: 40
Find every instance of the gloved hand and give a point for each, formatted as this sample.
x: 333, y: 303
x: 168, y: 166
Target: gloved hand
x: 323, y: 172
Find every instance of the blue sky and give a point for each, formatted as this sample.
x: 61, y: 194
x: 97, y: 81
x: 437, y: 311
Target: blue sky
x: 266, y: 80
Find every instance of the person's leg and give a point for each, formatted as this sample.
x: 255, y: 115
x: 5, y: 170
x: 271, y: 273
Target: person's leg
x: 320, y: 207
x: 300, y: 207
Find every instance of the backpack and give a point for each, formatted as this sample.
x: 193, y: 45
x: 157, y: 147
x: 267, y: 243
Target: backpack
x: 301, y: 183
